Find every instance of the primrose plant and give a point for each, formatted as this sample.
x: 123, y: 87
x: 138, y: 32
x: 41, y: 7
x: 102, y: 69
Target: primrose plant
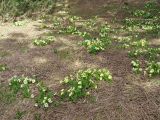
x: 20, y: 23
x: 70, y: 30
x: 153, y: 68
x: 140, y: 44
x: 83, y: 82
x: 3, y: 67
x: 91, y: 23
x: 21, y: 84
x: 94, y: 45
x: 136, y: 66
x: 44, y: 97
x: 152, y: 54
x: 44, y: 41
x: 104, y: 34
x: 104, y: 30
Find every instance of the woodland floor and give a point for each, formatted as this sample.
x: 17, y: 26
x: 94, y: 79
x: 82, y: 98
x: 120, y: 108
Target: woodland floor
x: 129, y: 97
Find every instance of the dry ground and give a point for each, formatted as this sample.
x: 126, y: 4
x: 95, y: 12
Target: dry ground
x: 129, y: 97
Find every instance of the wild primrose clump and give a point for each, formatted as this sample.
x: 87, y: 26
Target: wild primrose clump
x: 140, y: 44
x: 136, y: 66
x: 44, y: 41
x: 3, y: 67
x: 44, y: 97
x: 70, y: 30
x: 95, y: 45
x: 22, y: 84
x: 20, y: 23
x: 151, y: 55
x: 153, y: 68
x: 83, y: 82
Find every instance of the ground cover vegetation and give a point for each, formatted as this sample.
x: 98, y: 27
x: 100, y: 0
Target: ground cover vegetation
x: 95, y: 36
x: 15, y: 8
